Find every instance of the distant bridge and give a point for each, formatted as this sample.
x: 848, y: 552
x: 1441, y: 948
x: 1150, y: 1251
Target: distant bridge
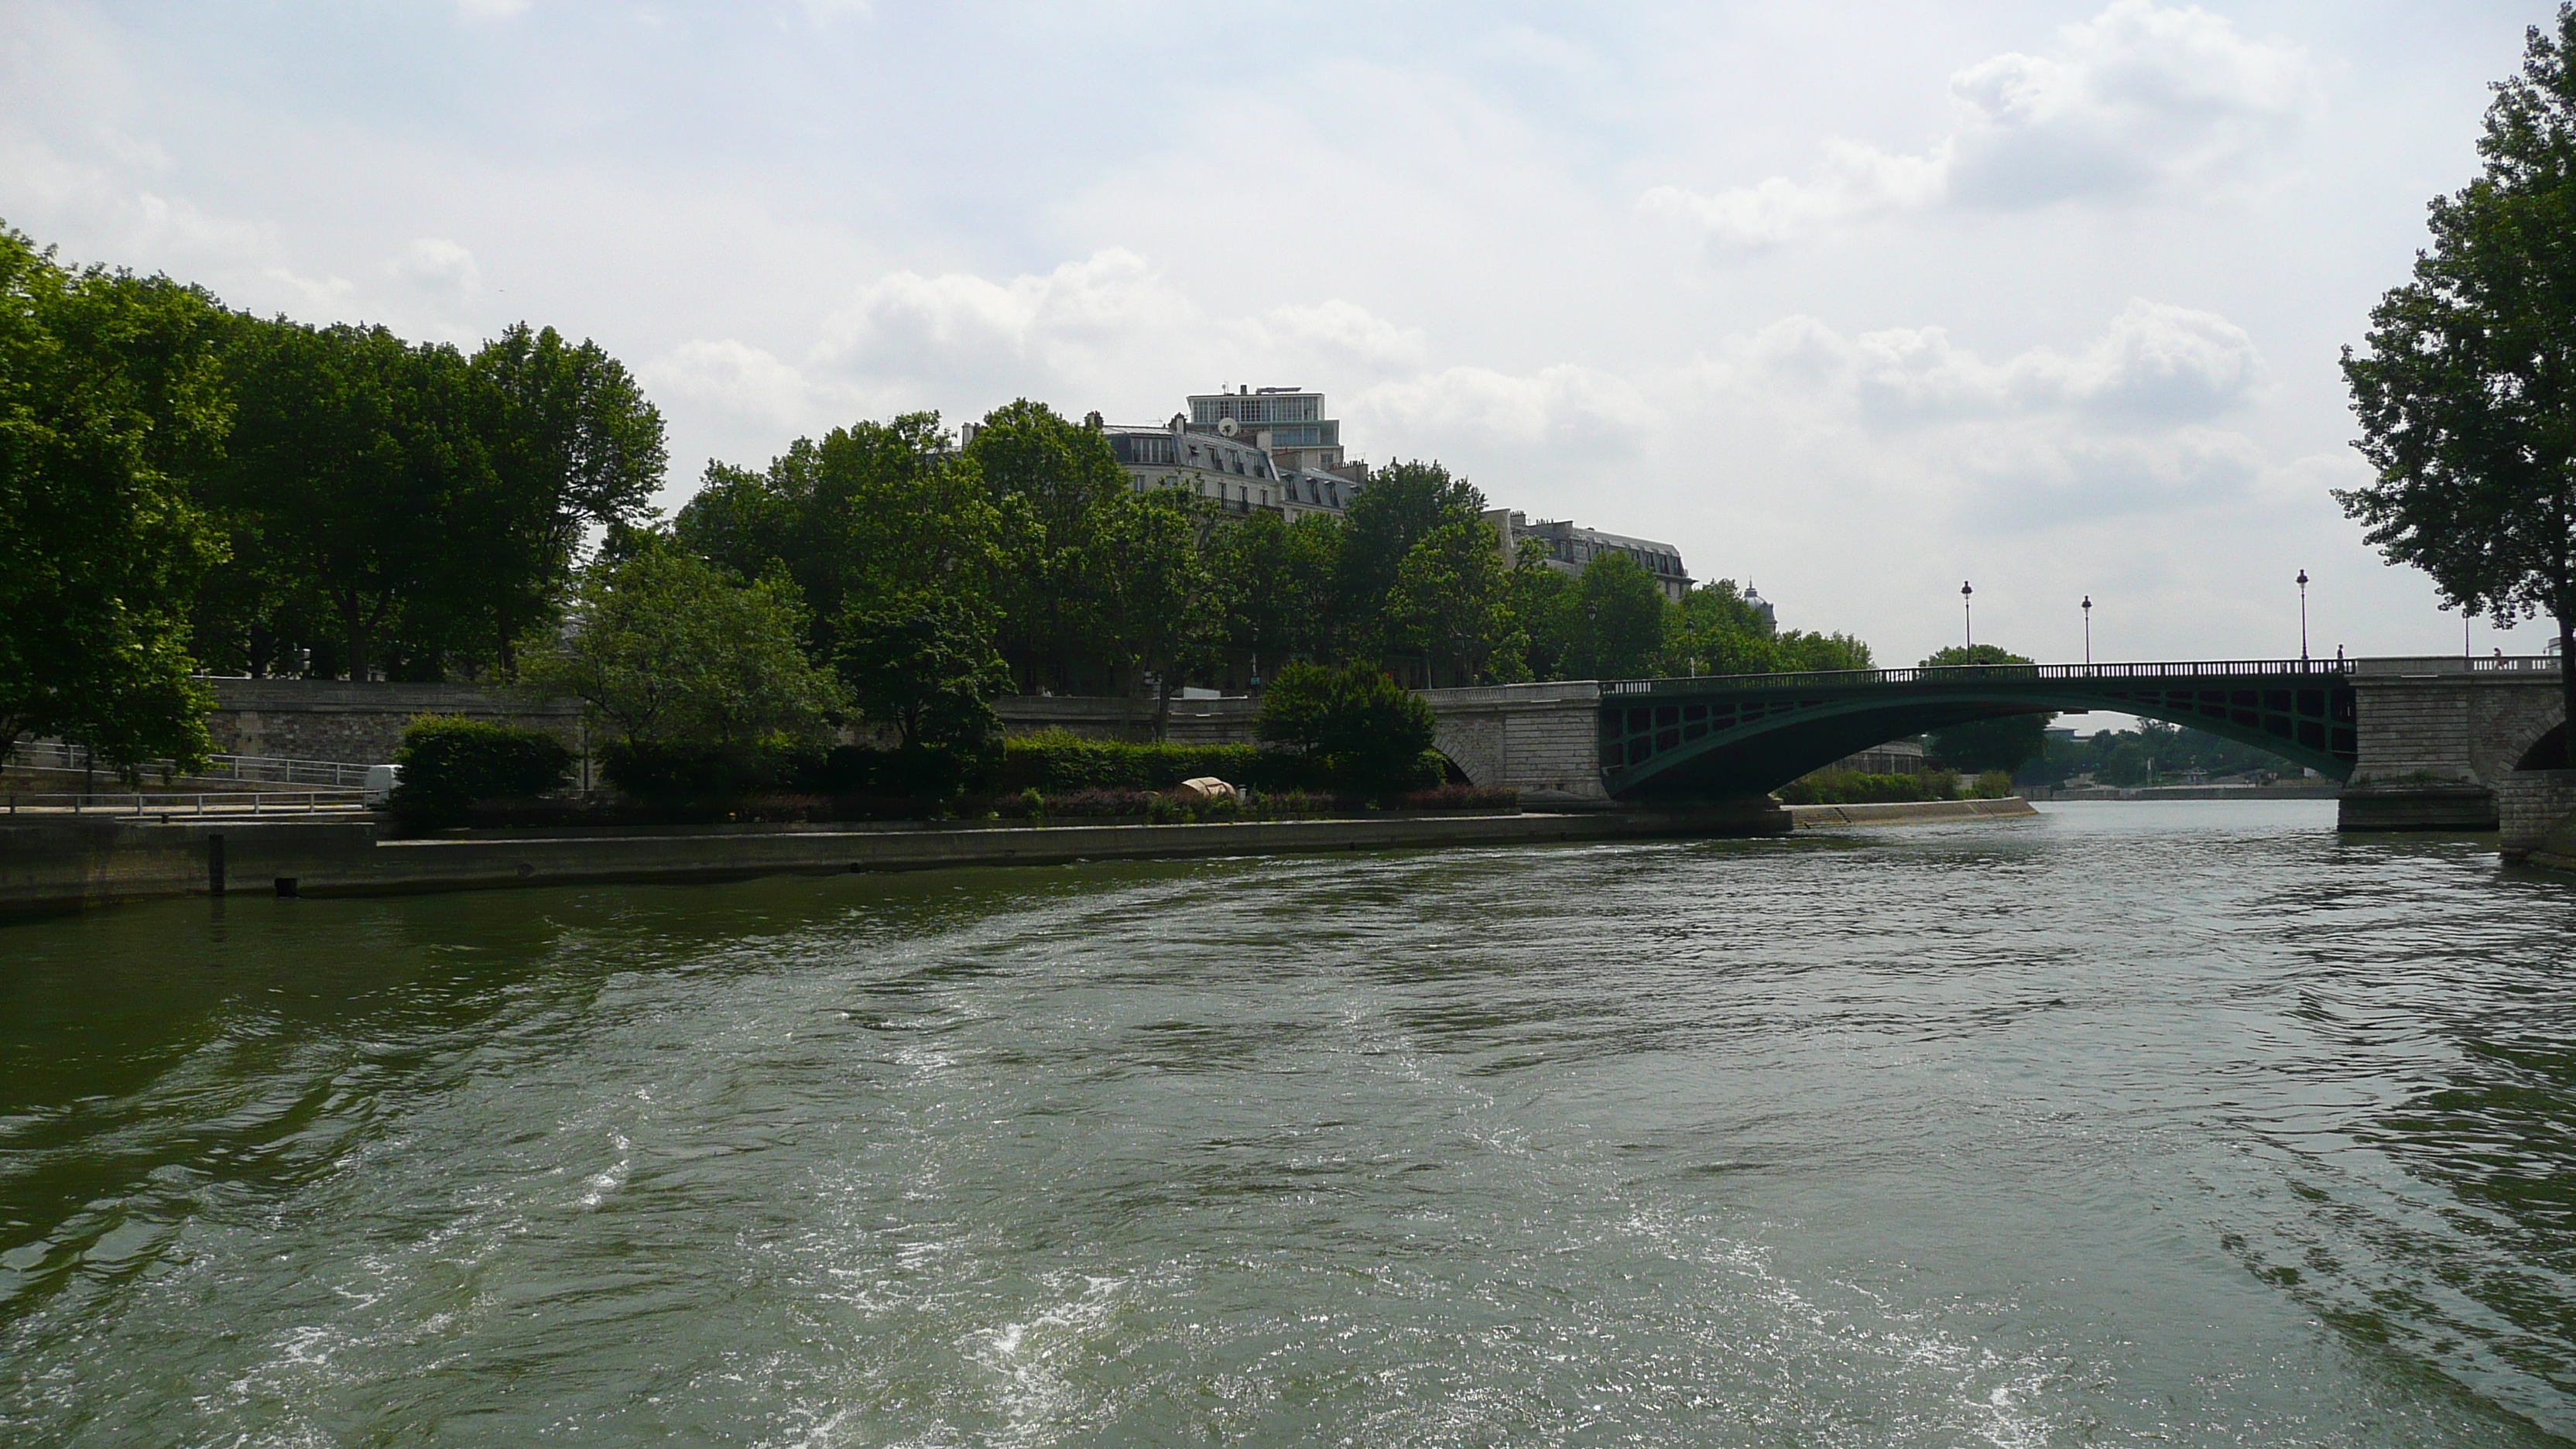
x: 2418, y: 742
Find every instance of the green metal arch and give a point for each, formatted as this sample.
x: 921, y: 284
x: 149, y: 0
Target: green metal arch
x: 1817, y: 728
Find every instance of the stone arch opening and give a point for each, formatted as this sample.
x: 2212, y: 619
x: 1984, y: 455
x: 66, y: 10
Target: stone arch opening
x: 2549, y: 752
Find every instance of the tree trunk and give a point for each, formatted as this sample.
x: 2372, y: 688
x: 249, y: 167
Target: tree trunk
x: 1162, y: 707
x: 353, y: 635
x: 2566, y: 690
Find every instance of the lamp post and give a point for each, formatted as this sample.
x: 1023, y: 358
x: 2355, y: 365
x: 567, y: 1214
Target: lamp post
x: 2088, y: 628
x: 2303, y: 616
x: 1968, y: 618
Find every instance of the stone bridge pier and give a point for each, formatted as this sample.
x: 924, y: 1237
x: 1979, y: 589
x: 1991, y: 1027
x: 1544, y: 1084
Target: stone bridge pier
x: 2443, y: 742
x: 1543, y: 740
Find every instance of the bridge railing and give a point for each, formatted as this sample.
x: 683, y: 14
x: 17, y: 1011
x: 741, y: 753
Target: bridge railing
x: 2322, y: 670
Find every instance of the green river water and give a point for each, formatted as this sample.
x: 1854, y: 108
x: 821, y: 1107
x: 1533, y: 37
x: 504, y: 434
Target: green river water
x: 2176, y: 1124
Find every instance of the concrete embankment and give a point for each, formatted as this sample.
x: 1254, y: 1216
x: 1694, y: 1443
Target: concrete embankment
x: 1897, y: 812
x: 65, y: 863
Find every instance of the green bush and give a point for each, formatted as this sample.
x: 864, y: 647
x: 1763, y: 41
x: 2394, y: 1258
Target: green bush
x: 1367, y: 733
x: 1851, y: 787
x: 654, y: 771
x: 1055, y: 762
x: 1992, y: 785
x: 449, y: 762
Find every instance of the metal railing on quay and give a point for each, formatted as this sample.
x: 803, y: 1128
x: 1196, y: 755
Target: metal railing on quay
x: 207, y: 804
x: 250, y: 769
x: 2321, y: 669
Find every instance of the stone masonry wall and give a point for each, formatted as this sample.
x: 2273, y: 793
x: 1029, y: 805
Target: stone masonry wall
x: 1541, y: 739
x: 2458, y: 727
x: 359, y: 723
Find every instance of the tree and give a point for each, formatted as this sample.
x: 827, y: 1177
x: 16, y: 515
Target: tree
x: 1452, y: 601
x: 1156, y: 604
x: 1403, y: 504
x: 1987, y: 744
x: 666, y: 648
x: 1362, y: 727
x: 1060, y: 478
x: 925, y: 664
x: 862, y: 519
x: 572, y: 443
x: 1542, y: 599
x: 1622, y: 609
x: 1275, y: 578
x: 1799, y: 652
x: 2467, y: 395
x: 111, y: 403
x: 1717, y: 631
x: 358, y: 464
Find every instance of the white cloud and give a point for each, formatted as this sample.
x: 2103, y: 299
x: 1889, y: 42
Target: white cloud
x: 2137, y: 99
x: 2156, y: 363
x: 743, y: 382
x: 437, y: 264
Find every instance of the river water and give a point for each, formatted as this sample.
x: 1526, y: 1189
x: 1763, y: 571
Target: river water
x: 2140, y: 1123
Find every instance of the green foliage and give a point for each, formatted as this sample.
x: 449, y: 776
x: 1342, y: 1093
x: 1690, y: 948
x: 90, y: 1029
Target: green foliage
x: 2153, y: 753
x: 667, y: 649
x: 1717, y: 631
x: 111, y: 404
x: 1151, y: 596
x: 1851, y: 787
x: 660, y: 770
x: 407, y: 506
x: 1058, y: 480
x: 1275, y: 583
x: 2467, y: 393
x: 1055, y: 762
x: 2001, y: 744
x: 869, y: 520
x: 449, y: 762
x: 571, y: 442
x: 1367, y: 732
x: 1621, y: 634
x: 924, y: 663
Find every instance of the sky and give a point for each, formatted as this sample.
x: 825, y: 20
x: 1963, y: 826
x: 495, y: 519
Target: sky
x: 1852, y: 302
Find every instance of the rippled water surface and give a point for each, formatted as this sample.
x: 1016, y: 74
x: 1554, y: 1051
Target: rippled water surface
x: 2171, y: 1124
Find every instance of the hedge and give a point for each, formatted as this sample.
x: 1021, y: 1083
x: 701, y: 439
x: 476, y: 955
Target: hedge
x: 1055, y: 762
x: 448, y: 763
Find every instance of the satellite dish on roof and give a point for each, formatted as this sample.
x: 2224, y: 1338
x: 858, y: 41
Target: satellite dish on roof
x: 1227, y: 427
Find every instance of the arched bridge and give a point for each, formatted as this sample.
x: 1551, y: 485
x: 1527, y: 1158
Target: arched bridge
x: 2418, y: 742
x: 1739, y: 734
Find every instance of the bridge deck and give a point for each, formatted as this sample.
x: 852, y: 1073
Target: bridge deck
x: 1722, y: 733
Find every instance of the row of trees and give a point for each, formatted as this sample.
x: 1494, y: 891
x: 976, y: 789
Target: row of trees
x: 934, y: 575
x: 191, y: 489
x: 184, y: 488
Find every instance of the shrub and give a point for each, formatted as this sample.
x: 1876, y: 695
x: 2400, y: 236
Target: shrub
x: 1055, y: 760
x: 1462, y: 797
x: 449, y: 762
x: 1992, y: 785
x: 1365, y: 731
x: 652, y: 770
x: 1851, y: 787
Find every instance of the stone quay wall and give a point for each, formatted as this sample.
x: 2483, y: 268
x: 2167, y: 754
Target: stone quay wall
x: 65, y: 863
x: 358, y: 722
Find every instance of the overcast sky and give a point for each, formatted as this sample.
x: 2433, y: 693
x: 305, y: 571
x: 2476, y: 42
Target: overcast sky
x: 1852, y: 301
